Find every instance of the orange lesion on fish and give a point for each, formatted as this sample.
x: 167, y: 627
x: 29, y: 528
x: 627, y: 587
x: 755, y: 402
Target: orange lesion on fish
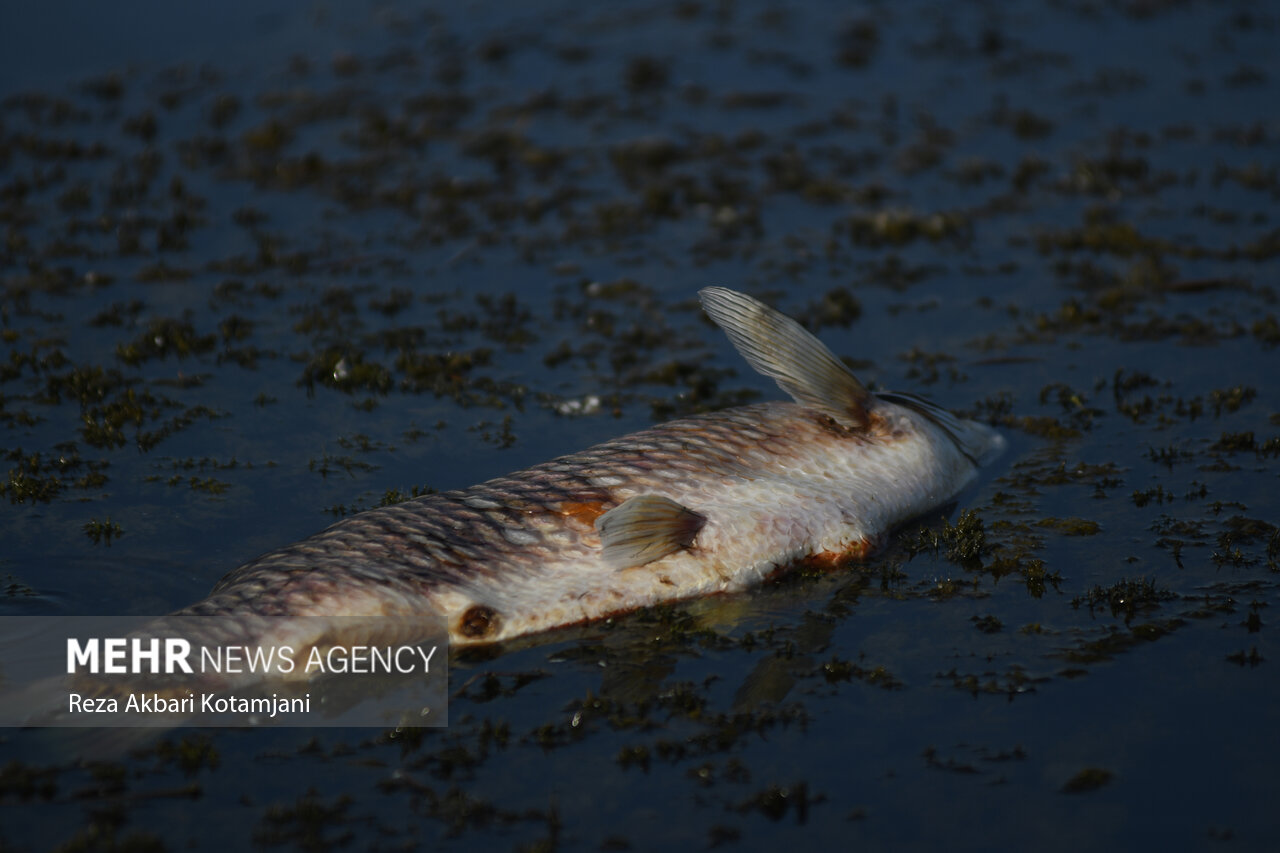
x: 828, y: 561
x: 585, y: 512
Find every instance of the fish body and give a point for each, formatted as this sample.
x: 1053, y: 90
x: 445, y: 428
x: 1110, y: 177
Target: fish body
x: 706, y: 504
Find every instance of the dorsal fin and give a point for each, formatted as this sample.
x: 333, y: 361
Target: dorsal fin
x: 646, y: 528
x: 780, y: 348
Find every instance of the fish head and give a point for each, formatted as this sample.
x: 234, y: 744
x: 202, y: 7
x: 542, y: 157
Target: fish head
x: 977, y: 442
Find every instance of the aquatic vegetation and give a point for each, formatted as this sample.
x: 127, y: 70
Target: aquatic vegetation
x: 962, y: 542
x: 1088, y: 779
x: 103, y: 531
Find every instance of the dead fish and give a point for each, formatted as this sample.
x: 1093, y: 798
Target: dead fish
x: 712, y: 503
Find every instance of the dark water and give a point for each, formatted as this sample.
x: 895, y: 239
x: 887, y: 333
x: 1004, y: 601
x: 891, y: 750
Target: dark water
x: 265, y: 266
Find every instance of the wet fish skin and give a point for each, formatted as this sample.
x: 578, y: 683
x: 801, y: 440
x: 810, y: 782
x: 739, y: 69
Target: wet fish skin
x: 705, y: 504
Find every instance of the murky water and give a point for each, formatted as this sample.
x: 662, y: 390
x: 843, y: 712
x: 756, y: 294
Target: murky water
x: 263, y: 269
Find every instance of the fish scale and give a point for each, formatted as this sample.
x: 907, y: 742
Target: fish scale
x: 706, y: 504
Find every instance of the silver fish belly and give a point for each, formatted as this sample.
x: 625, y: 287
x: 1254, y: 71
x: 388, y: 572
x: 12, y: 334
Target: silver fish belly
x: 706, y: 504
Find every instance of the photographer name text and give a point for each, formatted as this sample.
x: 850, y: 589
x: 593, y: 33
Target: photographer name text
x: 206, y: 703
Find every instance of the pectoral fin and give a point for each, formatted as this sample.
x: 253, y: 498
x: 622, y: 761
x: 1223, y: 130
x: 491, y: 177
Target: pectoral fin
x: 646, y: 528
x: 783, y: 350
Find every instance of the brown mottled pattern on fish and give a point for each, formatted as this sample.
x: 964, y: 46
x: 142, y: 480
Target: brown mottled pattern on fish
x: 705, y: 504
